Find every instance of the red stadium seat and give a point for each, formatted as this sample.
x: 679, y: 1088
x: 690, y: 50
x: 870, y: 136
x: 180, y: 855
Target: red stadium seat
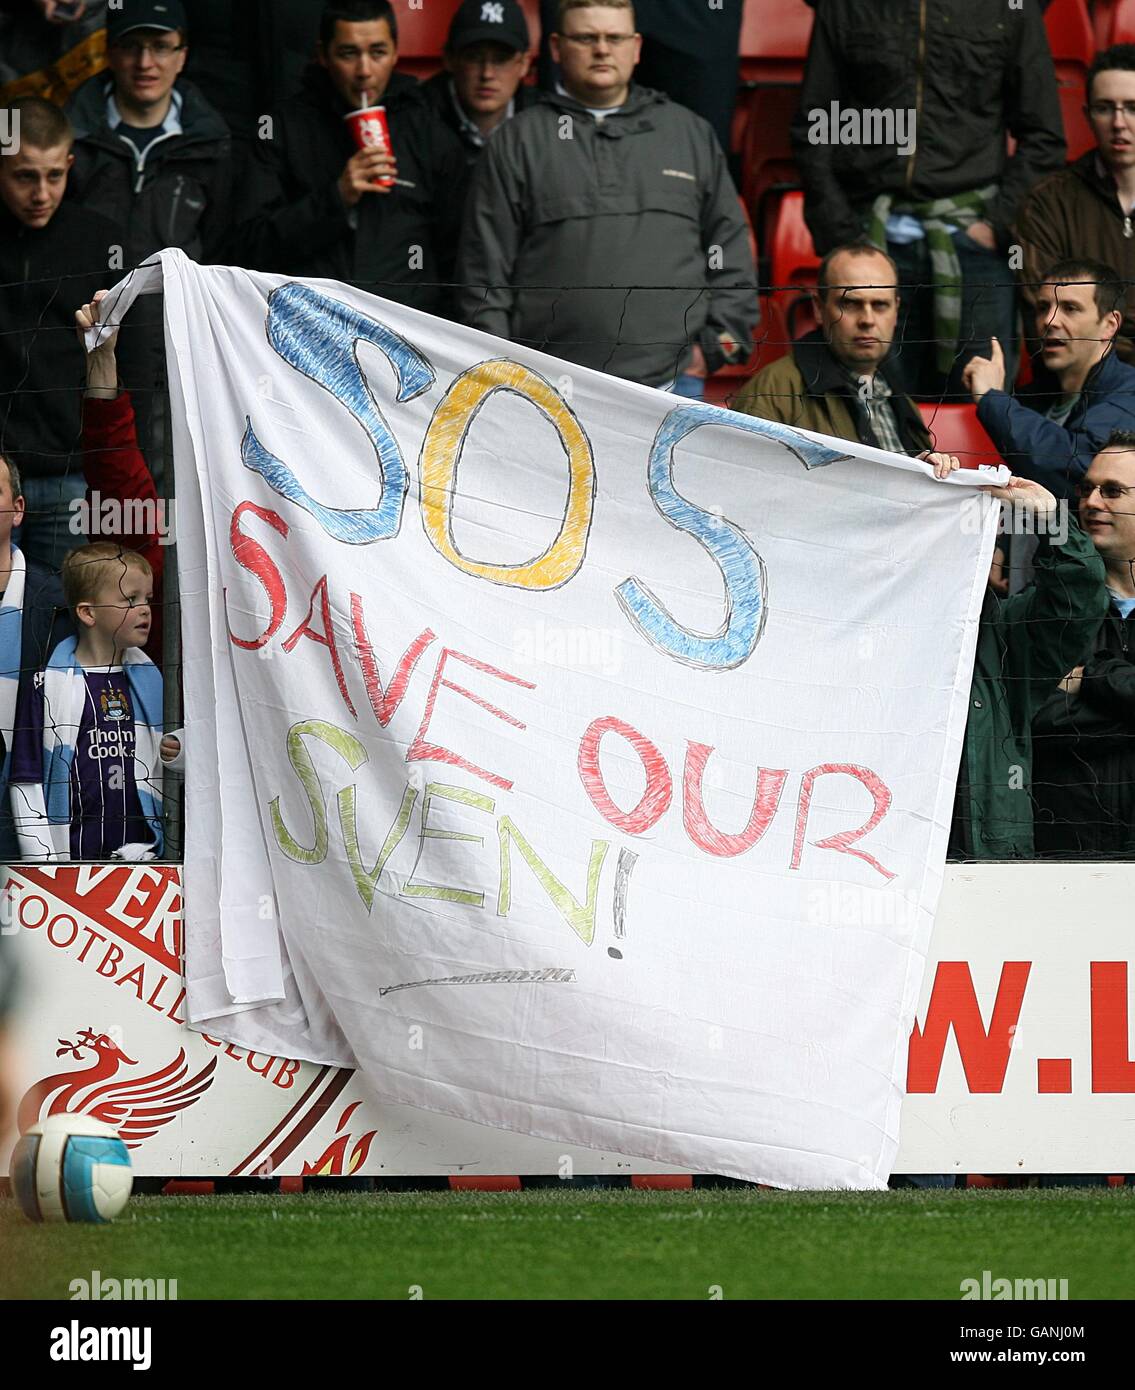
x: 1103, y: 22
x: 1073, y: 45
x: 787, y: 312
x: 956, y: 429
x: 793, y: 264
x: 1077, y: 129
x: 766, y: 152
x: 774, y: 40
x: 1122, y: 22
x: 421, y: 35
x: 774, y: 44
x: 1070, y: 34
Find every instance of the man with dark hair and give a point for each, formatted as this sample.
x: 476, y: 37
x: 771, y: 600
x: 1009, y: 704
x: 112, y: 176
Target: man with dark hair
x: 50, y: 252
x: 901, y: 137
x: 33, y: 621
x: 317, y: 206
x: 603, y: 225
x: 837, y: 380
x: 1087, y: 208
x: 1084, y: 735
x: 1077, y: 314
x: 150, y: 152
x: 486, y: 61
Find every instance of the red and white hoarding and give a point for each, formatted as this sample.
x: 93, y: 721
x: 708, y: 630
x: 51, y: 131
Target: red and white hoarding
x: 1021, y: 1060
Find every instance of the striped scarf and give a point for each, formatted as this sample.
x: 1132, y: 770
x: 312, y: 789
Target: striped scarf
x: 11, y: 646
x: 64, y: 694
x: 937, y: 215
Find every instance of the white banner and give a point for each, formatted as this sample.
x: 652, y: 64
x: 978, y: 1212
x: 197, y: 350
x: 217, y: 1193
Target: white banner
x: 1020, y: 1060
x: 532, y: 718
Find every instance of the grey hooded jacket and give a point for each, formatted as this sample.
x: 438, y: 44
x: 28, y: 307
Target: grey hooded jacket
x: 616, y: 244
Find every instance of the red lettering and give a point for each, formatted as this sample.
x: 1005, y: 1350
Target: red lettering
x: 113, y: 955
x: 842, y: 842
x: 770, y: 785
x: 420, y: 749
x: 1053, y: 1076
x: 285, y: 1075
x: 172, y: 1012
x: 326, y: 638
x: 1112, y: 1070
x: 953, y: 1003
x: 384, y: 703
x: 156, y: 993
x: 260, y: 1071
x: 22, y: 910
x: 63, y: 917
x: 92, y: 937
x: 135, y: 977
x: 252, y: 556
x: 654, y: 801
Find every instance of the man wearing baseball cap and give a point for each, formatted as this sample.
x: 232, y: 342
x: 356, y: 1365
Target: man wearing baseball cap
x: 150, y: 152
x: 486, y: 61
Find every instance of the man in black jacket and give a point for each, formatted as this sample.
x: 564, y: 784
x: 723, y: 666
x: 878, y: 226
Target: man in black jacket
x: 312, y: 206
x: 1084, y: 735
x: 150, y: 152
x: 901, y: 136
x: 52, y: 256
x: 486, y: 61
x: 33, y: 621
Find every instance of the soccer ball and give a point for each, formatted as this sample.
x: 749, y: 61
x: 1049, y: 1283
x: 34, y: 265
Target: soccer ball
x: 71, y: 1168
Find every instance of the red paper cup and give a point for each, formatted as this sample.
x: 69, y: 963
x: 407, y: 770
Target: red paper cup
x: 370, y: 131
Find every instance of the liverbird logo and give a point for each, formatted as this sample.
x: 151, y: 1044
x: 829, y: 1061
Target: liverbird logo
x: 333, y: 1161
x: 137, y: 1107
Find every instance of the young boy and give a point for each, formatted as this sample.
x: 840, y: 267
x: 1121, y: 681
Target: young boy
x: 85, y: 776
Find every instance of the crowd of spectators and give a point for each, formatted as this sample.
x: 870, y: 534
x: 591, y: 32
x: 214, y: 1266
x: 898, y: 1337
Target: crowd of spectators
x: 595, y: 217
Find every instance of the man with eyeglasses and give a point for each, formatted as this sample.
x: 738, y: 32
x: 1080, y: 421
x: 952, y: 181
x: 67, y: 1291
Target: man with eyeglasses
x: 1084, y: 734
x: 486, y: 62
x: 603, y: 226
x: 1077, y: 312
x: 1088, y: 208
x: 150, y: 151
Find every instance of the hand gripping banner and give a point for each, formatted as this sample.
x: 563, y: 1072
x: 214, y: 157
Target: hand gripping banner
x: 535, y: 717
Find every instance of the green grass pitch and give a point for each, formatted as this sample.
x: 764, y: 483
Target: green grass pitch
x: 587, y: 1245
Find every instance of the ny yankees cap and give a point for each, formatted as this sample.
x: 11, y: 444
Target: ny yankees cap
x: 489, y: 21
x: 166, y: 15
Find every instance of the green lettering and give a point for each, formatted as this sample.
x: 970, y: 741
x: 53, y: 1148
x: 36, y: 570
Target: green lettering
x: 353, y: 754
x: 439, y: 791
x: 579, y: 917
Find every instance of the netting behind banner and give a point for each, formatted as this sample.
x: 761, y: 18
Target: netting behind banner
x: 86, y: 440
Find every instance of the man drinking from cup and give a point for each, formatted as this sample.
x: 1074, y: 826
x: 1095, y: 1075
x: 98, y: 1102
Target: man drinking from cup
x: 342, y: 190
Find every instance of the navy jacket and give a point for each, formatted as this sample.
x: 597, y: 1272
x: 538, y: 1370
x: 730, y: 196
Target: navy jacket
x: 1055, y: 455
